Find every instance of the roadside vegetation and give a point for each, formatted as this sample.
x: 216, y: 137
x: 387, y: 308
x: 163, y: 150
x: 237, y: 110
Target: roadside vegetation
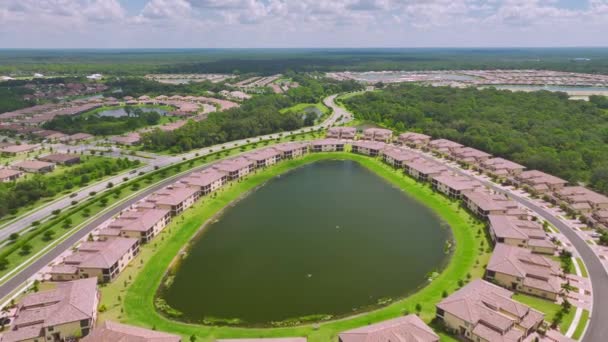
x: 131, y: 297
x: 29, y: 192
x: 542, y: 130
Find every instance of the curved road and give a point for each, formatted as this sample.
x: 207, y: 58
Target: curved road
x: 20, y: 278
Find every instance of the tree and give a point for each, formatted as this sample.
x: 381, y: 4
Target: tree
x: 13, y: 236
x: 3, y: 264
x: 26, y: 249
x: 48, y: 235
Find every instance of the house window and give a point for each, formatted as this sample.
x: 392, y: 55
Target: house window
x: 50, y: 328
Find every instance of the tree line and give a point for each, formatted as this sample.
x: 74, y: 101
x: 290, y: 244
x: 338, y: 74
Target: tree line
x: 542, y: 130
x: 104, y: 125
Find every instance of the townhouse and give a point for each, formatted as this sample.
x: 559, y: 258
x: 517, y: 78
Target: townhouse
x: 469, y: 155
x: 539, y: 182
x: 65, y: 313
x: 327, y: 145
x: 34, y: 166
x: 368, y: 148
x: 235, y: 168
x: 176, y: 198
x: 378, y: 134
x: 443, y: 146
x: 206, y: 181
x: 453, y: 185
x: 413, y: 139
x: 115, y: 332
x: 9, y: 175
x: 341, y: 133
x: 520, y: 270
x: 484, y: 203
x: 270, y: 339
x: 143, y: 224
x: 264, y: 157
x: 128, y: 139
x: 406, y: 328
x: 581, y: 199
x: 292, y: 149
x: 102, y: 260
x: 397, y: 157
x: 14, y: 150
x: 423, y: 169
x: 483, y: 312
x: 513, y: 231
x: 61, y: 158
x: 601, y: 216
x: 500, y: 167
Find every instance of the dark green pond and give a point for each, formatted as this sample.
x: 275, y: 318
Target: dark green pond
x: 328, y: 238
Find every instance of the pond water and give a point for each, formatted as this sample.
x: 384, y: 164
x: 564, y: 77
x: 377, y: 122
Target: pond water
x: 120, y: 111
x: 329, y: 238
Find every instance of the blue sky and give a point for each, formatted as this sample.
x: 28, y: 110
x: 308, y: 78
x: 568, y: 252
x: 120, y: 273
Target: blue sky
x: 301, y: 23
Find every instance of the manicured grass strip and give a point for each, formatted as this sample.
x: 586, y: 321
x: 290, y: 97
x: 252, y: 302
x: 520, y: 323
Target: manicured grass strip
x: 549, y: 308
x: 130, y: 298
x: 582, y: 267
x: 582, y: 324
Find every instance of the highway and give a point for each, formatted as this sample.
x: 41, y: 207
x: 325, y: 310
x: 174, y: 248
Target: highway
x: 22, y: 276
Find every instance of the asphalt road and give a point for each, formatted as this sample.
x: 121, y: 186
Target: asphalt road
x: 22, y: 276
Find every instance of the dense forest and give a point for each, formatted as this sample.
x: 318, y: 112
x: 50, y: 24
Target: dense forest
x: 25, y: 192
x: 541, y: 130
x: 268, y: 61
x: 104, y: 125
x: 260, y: 115
x: 137, y: 86
x: 11, y: 98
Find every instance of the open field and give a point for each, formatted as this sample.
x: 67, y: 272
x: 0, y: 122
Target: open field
x: 130, y: 298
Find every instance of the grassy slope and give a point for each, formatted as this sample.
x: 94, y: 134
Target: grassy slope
x: 132, y: 301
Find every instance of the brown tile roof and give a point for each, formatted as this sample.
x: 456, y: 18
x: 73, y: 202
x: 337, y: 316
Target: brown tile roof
x: 400, y: 154
x: 68, y: 302
x: 173, y: 195
x: 501, y: 164
x: 8, y: 173
x: 276, y: 339
x: 232, y: 165
x: 18, y: 148
x: 203, y: 178
x: 139, y: 220
x: 536, y: 177
x: 115, y: 332
x: 409, y: 328
x: 538, y: 271
x: 489, y: 201
x: 290, y: 146
x: 414, y: 137
x: 481, y: 302
x: 444, y: 143
x: 263, y: 154
x: 372, y: 145
x: 100, y: 254
x: 510, y: 227
x: 60, y: 158
x: 32, y: 165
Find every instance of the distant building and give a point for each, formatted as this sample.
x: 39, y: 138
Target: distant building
x: 67, y: 312
x: 8, y: 175
x: 115, y: 332
x: 443, y: 146
x: 500, y: 167
x: 423, y: 169
x: 34, y: 166
x: 413, y: 139
x: 540, y: 182
x: 61, y: 158
x: 481, y: 311
x: 264, y: 157
x: 484, y: 203
x: 327, y: 145
x: 103, y: 260
x: 519, y: 269
x: 176, y: 198
x: 377, y: 134
x: 340, y: 132
x: 401, y: 329
x: 143, y: 224
x: 206, y: 181
x: 368, y: 148
x: 271, y: 339
x: 18, y: 149
x: 292, y: 149
x: 236, y: 168
x: 397, y: 156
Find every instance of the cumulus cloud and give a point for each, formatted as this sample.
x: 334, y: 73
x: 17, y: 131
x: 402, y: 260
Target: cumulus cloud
x: 302, y: 22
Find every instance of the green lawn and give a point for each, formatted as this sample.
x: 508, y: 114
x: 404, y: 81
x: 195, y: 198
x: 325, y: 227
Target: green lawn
x: 548, y: 308
x: 582, y: 324
x: 581, y: 265
x: 130, y: 298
